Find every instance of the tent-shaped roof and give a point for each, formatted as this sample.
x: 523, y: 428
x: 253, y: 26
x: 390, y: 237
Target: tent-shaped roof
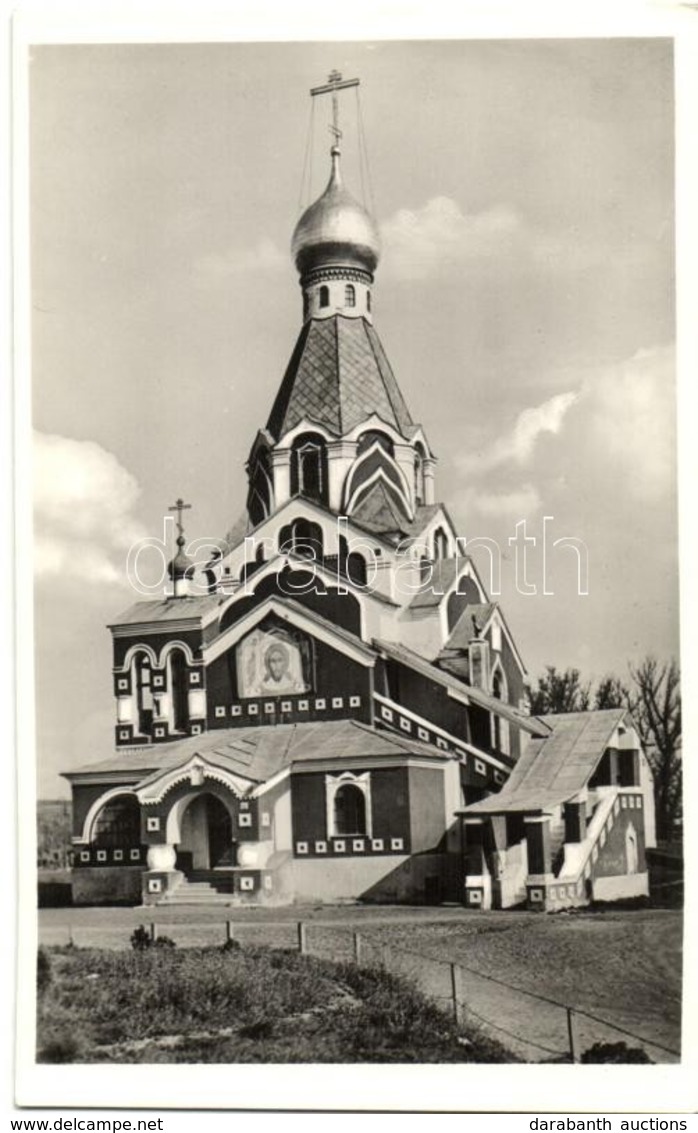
x: 338, y: 376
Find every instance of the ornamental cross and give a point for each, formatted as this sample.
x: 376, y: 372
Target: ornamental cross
x: 334, y: 83
x: 179, y: 507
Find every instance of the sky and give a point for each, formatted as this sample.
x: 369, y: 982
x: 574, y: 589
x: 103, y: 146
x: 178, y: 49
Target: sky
x: 525, y: 297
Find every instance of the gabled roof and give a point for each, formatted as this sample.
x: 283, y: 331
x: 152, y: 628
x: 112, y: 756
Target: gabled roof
x: 338, y: 376
x: 469, y: 625
x: 443, y: 575
x: 258, y: 753
x: 168, y: 610
x: 379, y: 513
x: 554, y: 768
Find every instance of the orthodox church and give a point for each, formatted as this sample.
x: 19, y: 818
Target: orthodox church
x: 333, y: 709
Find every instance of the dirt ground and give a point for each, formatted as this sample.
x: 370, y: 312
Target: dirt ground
x: 624, y: 967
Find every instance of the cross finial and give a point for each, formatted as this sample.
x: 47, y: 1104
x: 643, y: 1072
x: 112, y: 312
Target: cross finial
x: 179, y: 507
x: 335, y: 83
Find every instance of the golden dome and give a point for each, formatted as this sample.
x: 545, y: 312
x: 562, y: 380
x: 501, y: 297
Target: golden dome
x: 335, y: 230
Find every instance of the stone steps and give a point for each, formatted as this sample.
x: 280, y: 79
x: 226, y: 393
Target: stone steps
x: 196, y: 893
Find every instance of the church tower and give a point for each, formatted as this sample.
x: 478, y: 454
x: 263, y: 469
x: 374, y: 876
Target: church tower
x: 306, y: 717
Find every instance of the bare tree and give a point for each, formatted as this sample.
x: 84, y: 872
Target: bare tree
x: 655, y: 704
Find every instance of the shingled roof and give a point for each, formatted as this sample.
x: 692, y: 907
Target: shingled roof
x: 338, y: 376
x: 552, y: 769
x: 257, y: 753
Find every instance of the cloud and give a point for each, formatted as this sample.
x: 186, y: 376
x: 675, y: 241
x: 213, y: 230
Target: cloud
x: 264, y: 256
x: 627, y: 413
x: 418, y: 244
x: 83, y: 511
x: 511, y: 504
x: 518, y: 445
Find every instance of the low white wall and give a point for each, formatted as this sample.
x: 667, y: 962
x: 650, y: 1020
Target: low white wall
x: 614, y: 888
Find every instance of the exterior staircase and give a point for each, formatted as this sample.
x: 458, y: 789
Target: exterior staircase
x: 196, y: 893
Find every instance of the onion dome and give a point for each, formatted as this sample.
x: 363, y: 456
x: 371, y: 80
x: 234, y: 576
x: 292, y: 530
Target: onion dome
x: 181, y: 567
x: 336, y: 230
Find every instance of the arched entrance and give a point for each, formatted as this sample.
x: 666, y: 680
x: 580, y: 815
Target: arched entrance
x: 206, y: 835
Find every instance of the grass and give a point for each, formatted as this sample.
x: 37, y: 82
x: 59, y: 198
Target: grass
x: 241, y: 1005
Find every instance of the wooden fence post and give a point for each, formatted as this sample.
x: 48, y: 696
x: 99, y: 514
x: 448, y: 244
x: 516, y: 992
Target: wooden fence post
x: 229, y: 932
x: 153, y: 932
x: 357, y: 949
x: 457, y: 994
x: 570, y: 1033
x: 302, y: 937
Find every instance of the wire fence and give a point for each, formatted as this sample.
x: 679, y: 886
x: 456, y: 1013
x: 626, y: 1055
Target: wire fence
x: 534, y: 1027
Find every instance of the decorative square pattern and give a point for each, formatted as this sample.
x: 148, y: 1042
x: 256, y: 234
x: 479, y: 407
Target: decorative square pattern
x: 220, y: 711
x: 358, y: 845
x: 338, y: 702
x: 475, y: 896
x: 321, y: 847
x: 321, y: 704
x: 245, y: 819
x: 123, y: 733
x: 154, y: 885
x: 122, y: 684
x: 377, y: 844
x: 354, y: 701
x: 196, y: 729
x: 101, y: 855
x: 441, y: 743
x: 236, y: 710
x: 158, y: 681
x: 480, y: 767
x: 339, y: 846
x: 135, y: 855
x: 397, y: 844
x: 498, y: 777
x: 301, y: 847
x: 423, y: 734
x: 405, y: 724
x: 536, y: 894
x: 302, y: 705
x: 159, y: 733
x: 266, y: 818
x: 84, y: 855
x: 247, y: 883
x: 152, y: 824
x: 386, y: 713
x: 286, y: 706
x: 269, y: 707
x: 253, y: 710
x: 118, y: 855
x: 195, y: 678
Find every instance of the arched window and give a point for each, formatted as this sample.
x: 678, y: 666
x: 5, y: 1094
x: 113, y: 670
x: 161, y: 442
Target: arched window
x: 118, y: 824
x: 324, y: 296
x: 350, y: 295
x: 440, y: 544
x: 302, y: 537
x: 419, y: 473
x: 349, y: 810
x: 372, y: 437
x: 500, y: 727
x: 309, y: 467
x: 179, y: 695
x: 259, y: 495
x: 141, y: 683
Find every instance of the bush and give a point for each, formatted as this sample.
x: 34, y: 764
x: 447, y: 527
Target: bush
x: 44, y: 972
x: 141, y: 940
x: 65, y: 1047
x: 615, y: 1052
